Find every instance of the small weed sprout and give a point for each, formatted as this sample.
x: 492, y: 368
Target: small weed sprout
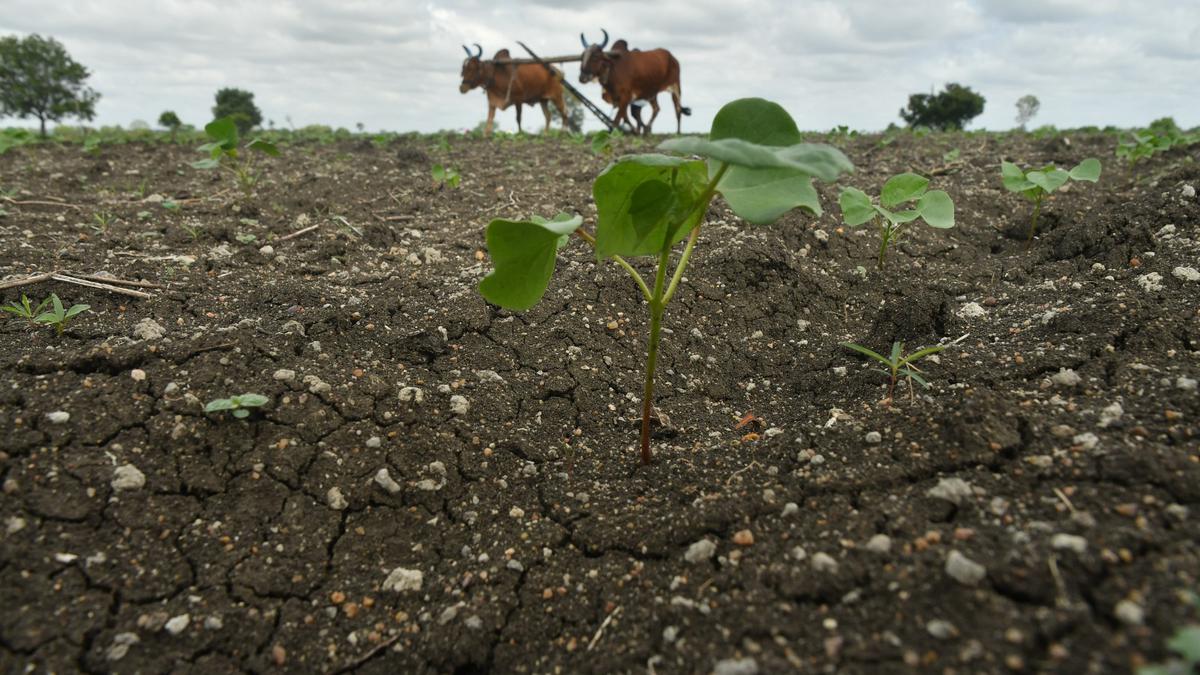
x: 237, y: 405
x: 25, y: 309
x: 225, y: 154
x: 1036, y: 184
x: 898, y: 365
x: 445, y: 175
x: 647, y: 204
x: 934, y: 207
x: 102, y: 221
x: 602, y: 142
x: 57, y: 316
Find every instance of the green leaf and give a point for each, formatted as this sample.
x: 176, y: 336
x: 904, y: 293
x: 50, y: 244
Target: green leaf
x: 922, y: 353
x: 856, y: 206
x: 241, y: 413
x: 762, y: 195
x: 1049, y: 179
x: 76, y: 309
x: 755, y: 120
x: 823, y: 161
x: 902, y: 188
x: 619, y: 201
x: 524, y: 253
x: 251, y: 400
x: 1186, y: 643
x: 937, y: 209
x: 262, y: 146
x: 47, y: 317
x: 898, y: 217
x: 1014, y: 178
x: 219, y: 404
x: 1088, y: 169
x: 897, y: 349
x: 909, y: 372
x: 868, y: 352
x: 223, y: 132
x: 205, y: 164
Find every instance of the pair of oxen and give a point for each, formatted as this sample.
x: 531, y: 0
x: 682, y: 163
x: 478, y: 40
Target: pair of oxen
x: 625, y: 75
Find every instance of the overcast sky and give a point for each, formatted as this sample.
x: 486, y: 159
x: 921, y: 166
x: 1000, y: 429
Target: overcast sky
x: 394, y: 65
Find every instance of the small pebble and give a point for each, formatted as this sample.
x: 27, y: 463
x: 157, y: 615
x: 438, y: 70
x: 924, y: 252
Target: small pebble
x: 1066, y: 377
x: 823, y: 562
x: 402, y: 579
x: 138, y: 375
x: 743, y: 538
x: 880, y: 543
x: 874, y: 437
x: 177, y: 624
x: 700, y: 551
x: 384, y: 480
x: 58, y: 416
x: 1129, y: 613
x: 941, y: 629
x: 128, y: 477
x: 459, y: 405
x: 284, y: 375
x: 746, y: 666
x: 964, y: 570
x: 1069, y: 542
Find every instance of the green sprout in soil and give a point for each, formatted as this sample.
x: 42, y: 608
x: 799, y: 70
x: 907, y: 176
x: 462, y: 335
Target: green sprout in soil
x: 934, y: 207
x: 1185, y: 643
x: 225, y: 154
x: 103, y: 220
x: 1036, y: 184
x: 237, y: 405
x: 56, y: 316
x: 647, y: 204
x: 898, y: 365
x: 445, y: 175
x: 602, y: 142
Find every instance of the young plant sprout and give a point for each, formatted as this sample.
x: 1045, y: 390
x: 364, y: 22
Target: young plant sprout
x: 445, y: 175
x: 934, y: 207
x: 647, y: 204
x: 25, y: 309
x: 898, y: 364
x: 57, y: 316
x: 237, y: 405
x: 1036, y: 184
x: 224, y: 153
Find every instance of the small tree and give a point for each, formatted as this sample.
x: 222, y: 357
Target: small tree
x: 574, y: 114
x: 1027, y: 106
x: 38, y: 78
x: 238, y: 104
x: 170, y: 121
x: 953, y: 108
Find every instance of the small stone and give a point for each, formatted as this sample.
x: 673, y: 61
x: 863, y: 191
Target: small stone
x: 177, y: 624
x: 790, y: 509
x: 414, y: 394
x: 953, y: 490
x: 941, y: 629
x: 120, y: 646
x: 746, y: 666
x: 128, y: 477
x: 1186, y: 274
x: 1110, y: 415
x: 316, y: 385
x: 14, y: 524
x: 1066, y: 377
x: 880, y: 543
x: 148, y: 329
x: 964, y: 570
x: 448, y: 615
x: 374, y: 442
x: 516, y: 512
x: 138, y: 375
x: 1178, y: 512
x: 798, y: 553
x: 486, y: 376
x: 700, y: 551
x: 213, y: 623
x: 1129, y: 613
x: 278, y: 655
x: 1151, y: 282
x: 1185, y: 383
x: 459, y: 405
x: 402, y: 579
x: 1086, y: 441
x: 743, y: 538
x: 267, y: 251
x: 824, y: 563
x: 432, y: 255
x: 1069, y: 542
x: 58, y: 417
x: 874, y: 437
x: 335, y: 499
x: 384, y: 480
x: 284, y: 375
x: 1188, y: 192
x: 971, y: 310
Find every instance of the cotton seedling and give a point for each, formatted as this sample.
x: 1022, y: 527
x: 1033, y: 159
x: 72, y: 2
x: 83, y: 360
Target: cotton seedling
x: 898, y: 364
x: 934, y: 207
x: 648, y: 204
x: 226, y: 154
x: 237, y: 405
x: 445, y: 175
x: 1036, y: 184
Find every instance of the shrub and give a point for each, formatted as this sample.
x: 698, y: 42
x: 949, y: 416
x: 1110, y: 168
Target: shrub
x: 950, y: 109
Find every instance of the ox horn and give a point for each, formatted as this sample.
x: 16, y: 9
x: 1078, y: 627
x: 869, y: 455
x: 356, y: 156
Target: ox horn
x: 468, y: 51
x: 583, y: 40
x: 478, y: 51
x: 605, y: 43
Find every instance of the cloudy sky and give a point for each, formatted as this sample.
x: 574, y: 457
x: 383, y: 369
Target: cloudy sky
x: 395, y: 64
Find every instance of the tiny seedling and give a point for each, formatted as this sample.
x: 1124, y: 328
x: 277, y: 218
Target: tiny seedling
x: 602, y: 142
x: 934, y: 207
x: 445, y: 175
x: 897, y: 364
x: 25, y: 309
x: 1186, y: 645
x: 225, y: 154
x: 648, y: 204
x: 102, y: 221
x: 1036, y: 184
x: 58, y: 316
x: 237, y: 405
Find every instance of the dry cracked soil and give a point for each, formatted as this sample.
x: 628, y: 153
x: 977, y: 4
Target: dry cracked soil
x: 439, y: 486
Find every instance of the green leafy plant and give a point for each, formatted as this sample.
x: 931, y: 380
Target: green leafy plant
x: 56, y: 316
x: 1036, y: 184
x: 897, y: 364
x: 445, y: 175
x: 1162, y: 135
x: 934, y: 207
x: 103, y: 220
x: 225, y: 154
x: 648, y: 204
x: 602, y: 142
x: 237, y: 405
x: 25, y: 309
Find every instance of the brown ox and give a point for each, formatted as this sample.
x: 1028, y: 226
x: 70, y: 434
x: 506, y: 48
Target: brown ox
x: 628, y: 75
x: 507, y: 84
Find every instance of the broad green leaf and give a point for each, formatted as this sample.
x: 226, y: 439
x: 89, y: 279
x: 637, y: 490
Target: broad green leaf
x: 898, y: 217
x: 762, y: 195
x: 823, y: 161
x: 223, y: 132
x: 937, y: 209
x: 251, y: 400
x: 902, y: 188
x: 241, y: 414
x: 657, y: 225
x: 755, y: 120
x: 219, y: 404
x: 909, y: 372
x: 1014, y: 178
x: 524, y: 253
x: 47, y: 317
x: 205, y: 164
x: 856, y: 207
x: 262, y: 146
x: 1088, y: 169
x: 1048, y: 179
x: 76, y: 309
x: 1186, y: 643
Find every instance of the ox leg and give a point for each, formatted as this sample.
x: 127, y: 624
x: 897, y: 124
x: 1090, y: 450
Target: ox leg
x: 562, y: 112
x: 519, y: 131
x: 675, y: 96
x: 487, y: 129
x: 653, y: 114
x: 546, y: 112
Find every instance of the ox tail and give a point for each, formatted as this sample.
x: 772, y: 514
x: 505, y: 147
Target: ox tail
x: 678, y: 96
x: 685, y: 110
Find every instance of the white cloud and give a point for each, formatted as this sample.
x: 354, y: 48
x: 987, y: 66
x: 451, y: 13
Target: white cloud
x: 395, y: 65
